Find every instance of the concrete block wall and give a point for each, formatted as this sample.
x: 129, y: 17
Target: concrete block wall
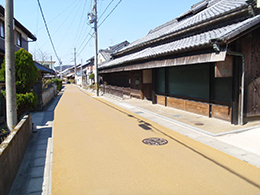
x: 12, y: 151
x: 48, y: 94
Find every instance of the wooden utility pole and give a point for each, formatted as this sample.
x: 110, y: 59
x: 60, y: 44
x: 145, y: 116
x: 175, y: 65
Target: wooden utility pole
x: 11, y: 112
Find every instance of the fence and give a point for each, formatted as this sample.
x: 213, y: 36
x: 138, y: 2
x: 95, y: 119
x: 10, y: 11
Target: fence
x: 122, y: 92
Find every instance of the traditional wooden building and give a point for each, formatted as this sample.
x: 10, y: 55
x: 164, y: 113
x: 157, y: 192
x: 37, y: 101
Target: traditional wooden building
x: 206, y: 61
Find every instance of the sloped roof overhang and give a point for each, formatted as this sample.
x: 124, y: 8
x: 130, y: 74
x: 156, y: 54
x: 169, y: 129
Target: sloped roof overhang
x: 206, y: 57
x: 223, y: 36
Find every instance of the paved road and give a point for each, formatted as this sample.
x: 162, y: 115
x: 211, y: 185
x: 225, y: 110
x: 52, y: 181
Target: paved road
x: 98, y: 149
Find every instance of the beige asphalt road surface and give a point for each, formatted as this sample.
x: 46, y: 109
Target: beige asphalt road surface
x: 98, y: 149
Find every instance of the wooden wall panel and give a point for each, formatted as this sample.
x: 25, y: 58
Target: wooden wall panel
x: 188, y: 105
x: 160, y: 100
x: 147, y: 91
x: 197, y: 107
x: 136, y: 93
x: 250, y: 48
x: 176, y: 103
x: 222, y: 112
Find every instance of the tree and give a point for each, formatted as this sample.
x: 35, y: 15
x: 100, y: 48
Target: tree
x: 26, y: 73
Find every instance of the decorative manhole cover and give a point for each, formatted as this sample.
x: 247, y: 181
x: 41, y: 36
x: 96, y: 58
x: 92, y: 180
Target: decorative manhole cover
x: 155, y: 141
x: 199, y: 124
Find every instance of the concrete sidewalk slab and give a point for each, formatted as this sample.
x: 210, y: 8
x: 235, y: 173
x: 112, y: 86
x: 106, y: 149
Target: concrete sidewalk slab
x: 34, y: 175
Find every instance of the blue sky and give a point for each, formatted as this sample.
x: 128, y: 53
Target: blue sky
x: 69, y: 28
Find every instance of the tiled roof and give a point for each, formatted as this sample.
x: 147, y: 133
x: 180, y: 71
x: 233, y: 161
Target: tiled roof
x: 215, y: 8
x: 43, y: 68
x: 106, y: 53
x: 192, y: 41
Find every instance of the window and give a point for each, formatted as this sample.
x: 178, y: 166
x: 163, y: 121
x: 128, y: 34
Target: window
x: 160, y: 78
x: 2, y: 29
x: 18, y: 39
x: 191, y: 81
x: 223, y: 90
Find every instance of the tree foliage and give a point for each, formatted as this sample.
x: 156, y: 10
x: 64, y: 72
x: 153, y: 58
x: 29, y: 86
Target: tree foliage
x: 91, y: 76
x: 58, y: 82
x: 26, y: 73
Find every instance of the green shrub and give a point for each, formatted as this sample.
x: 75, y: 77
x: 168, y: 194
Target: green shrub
x: 25, y: 102
x: 48, y: 82
x: 91, y: 76
x: 72, y: 81
x: 26, y: 73
x: 58, y: 82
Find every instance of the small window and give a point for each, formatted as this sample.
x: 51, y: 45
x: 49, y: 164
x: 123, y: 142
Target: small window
x: 2, y: 29
x: 18, y: 39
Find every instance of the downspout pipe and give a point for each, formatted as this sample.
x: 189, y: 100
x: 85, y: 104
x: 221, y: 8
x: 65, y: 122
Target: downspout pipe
x: 234, y: 53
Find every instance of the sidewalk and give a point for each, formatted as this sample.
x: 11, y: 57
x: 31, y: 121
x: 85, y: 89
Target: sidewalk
x: 239, y: 141
x: 35, y: 173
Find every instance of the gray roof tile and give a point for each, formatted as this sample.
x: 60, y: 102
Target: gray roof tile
x: 215, y: 8
x: 198, y: 40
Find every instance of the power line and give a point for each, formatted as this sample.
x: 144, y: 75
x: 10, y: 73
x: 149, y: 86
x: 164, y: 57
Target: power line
x: 100, y: 24
x: 85, y: 46
x: 58, y: 15
x: 84, y: 39
x: 79, y: 30
x: 106, y: 9
x: 110, y: 13
x: 48, y: 32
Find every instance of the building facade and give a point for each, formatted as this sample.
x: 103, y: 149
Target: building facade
x: 205, y: 61
x: 21, y: 35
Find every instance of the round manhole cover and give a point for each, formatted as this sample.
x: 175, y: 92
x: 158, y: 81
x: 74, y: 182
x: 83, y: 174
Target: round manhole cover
x: 155, y: 141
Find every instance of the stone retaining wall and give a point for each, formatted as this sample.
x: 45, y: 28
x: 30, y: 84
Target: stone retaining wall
x: 48, y: 94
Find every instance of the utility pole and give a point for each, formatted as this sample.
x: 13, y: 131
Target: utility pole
x: 96, y: 47
x: 11, y: 112
x: 81, y: 73
x: 60, y: 70
x: 75, y: 60
x: 51, y: 63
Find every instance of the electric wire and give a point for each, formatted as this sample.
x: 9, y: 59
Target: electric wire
x: 105, y: 9
x: 79, y: 30
x: 69, y: 27
x: 109, y: 13
x: 100, y: 24
x: 85, y: 44
x: 58, y: 15
x: 48, y: 32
